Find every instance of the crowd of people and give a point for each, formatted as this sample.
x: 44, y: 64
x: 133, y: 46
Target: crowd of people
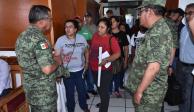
x: 157, y: 46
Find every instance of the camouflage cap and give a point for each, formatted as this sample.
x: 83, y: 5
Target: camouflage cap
x: 152, y: 2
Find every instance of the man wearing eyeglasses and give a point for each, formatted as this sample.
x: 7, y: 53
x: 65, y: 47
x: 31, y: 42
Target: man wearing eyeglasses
x: 191, y: 21
x: 39, y: 67
x: 147, y: 81
x: 185, y: 65
x: 191, y: 26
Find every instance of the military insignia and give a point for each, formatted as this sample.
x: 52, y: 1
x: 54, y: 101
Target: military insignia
x: 44, y: 45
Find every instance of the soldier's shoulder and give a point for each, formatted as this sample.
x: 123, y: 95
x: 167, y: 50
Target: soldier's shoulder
x: 164, y: 21
x: 164, y: 26
x: 30, y: 36
x: 170, y: 22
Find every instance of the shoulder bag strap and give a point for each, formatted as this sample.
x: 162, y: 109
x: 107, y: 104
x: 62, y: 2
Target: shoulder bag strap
x: 72, y: 53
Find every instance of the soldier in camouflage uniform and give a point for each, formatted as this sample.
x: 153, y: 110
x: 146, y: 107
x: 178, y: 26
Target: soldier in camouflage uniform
x: 147, y: 81
x: 174, y: 30
x: 40, y: 69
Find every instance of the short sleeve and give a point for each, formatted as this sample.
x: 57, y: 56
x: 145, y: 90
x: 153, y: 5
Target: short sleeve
x: 115, y: 45
x: 125, y: 41
x: 174, y: 32
x: 158, y: 44
x: 58, y: 46
x: 158, y: 49
x: 43, y: 53
x: 175, y: 40
x: 80, y: 38
x: 85, y: 43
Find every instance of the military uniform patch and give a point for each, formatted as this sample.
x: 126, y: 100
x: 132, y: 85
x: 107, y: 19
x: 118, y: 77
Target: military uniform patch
x: 44, y: 45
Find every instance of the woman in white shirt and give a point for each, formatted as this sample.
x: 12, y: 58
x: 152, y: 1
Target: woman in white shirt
x: 73, y: 49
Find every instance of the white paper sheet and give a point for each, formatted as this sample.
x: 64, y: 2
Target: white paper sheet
x: 105, y: 55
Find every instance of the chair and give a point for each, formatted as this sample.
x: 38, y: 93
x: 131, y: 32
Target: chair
x: 15, y: 100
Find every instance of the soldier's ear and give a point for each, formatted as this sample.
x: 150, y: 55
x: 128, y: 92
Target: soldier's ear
x: 150, y: 11
x: 41, y: 24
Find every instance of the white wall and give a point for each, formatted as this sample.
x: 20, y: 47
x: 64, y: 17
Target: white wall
x: 116, y: 11
x: 183, y: 3
x: 7, y: 53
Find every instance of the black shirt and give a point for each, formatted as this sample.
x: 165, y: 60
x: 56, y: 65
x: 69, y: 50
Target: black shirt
x: 122, y: 39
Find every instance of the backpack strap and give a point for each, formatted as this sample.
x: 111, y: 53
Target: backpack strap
x: 110, y: 43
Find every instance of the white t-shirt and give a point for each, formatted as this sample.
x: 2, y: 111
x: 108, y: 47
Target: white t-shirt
x: 4, y: 75
x: 138, y: 38
x: 131, y: 43
x: 72, y: 56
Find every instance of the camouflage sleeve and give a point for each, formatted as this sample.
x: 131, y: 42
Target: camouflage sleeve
x: 159, y: 48
x: 43, y: 52
x: 174, y: 30
x: 62, y: 71
x: 175, y: 41
x: 175, y: 37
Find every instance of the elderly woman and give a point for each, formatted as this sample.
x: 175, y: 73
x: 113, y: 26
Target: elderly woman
x: 73, y: 50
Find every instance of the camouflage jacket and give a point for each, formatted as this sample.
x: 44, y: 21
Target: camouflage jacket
x: 155, y: 47
x: 174, y: 30
x: 34, y: 51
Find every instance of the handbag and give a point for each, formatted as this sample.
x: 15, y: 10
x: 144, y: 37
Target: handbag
x: 117, y: 64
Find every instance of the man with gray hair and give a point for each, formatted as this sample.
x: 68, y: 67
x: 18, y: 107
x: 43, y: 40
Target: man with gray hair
x: 191, y: 22
x: 39, y: 66
x: 147, y: 81
x: 185, y: 65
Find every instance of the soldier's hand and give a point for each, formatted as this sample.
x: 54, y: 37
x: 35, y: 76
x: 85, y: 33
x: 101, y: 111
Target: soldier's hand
x: 57, y: 58
x: 58, y: 79
x: 137, y: 97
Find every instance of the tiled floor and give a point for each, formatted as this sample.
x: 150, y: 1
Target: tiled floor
x: 123, y: 104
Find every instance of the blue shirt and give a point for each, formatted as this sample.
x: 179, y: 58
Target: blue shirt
x: 4, y: 75
x: 186, y: 47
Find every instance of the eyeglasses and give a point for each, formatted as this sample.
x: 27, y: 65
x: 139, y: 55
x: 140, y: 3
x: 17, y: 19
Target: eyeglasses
x: 47, y: 18
x: 189, y: 13
x: 70, y: 27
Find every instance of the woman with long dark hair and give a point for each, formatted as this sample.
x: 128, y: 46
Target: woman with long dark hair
x: 103, y: 39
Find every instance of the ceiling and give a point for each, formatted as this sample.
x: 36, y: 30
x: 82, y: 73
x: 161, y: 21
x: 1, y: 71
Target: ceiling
x: 123, y: 3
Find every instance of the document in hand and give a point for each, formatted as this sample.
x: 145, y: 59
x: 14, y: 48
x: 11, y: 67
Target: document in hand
x: 105, y: 55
